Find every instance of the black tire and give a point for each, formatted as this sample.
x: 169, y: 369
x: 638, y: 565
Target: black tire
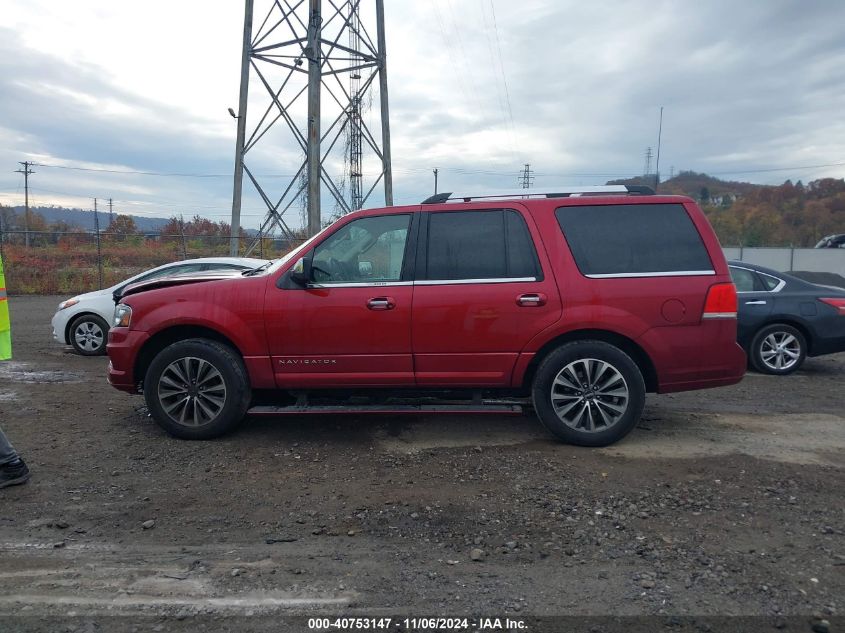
x: 88, y: 335
x: 601, y: 405
x: 766, y: 353
x: 197, y: 389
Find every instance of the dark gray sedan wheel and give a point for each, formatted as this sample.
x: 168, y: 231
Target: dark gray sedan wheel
x: 588, y: 393
x: 197, y: 389
x: 778, y: 349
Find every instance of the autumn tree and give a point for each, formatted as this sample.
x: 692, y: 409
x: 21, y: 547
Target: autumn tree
x: 122, y: 225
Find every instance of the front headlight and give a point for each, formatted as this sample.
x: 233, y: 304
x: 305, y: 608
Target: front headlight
x: 122, y: 315
x: 68, y: 303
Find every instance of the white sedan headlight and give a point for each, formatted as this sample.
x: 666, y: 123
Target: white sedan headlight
x: 122, y: 315
x: 68, y: 303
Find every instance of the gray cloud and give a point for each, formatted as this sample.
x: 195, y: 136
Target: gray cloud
x: 745, y: 86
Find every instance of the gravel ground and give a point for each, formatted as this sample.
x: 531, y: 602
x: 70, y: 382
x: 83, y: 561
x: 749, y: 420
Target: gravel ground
x: 722, y: 502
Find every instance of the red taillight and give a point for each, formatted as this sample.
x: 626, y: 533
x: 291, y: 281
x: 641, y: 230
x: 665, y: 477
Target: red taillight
x: 836, y: 302
x: 721, y: 302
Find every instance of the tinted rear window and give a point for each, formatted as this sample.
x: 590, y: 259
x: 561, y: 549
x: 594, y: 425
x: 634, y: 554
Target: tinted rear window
x: 492, y: 244
x: 630, y: 239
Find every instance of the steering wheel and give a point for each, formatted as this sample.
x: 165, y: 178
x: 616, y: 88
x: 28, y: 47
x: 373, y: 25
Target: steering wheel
x: 333, y: 270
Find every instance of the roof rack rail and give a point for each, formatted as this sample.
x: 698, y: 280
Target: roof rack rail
x: 557, y: 192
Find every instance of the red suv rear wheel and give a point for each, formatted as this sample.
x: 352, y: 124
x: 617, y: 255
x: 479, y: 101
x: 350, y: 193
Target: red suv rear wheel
x: 589, y: 393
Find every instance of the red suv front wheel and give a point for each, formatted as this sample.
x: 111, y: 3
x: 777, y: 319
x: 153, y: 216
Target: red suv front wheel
x: 197, y: 389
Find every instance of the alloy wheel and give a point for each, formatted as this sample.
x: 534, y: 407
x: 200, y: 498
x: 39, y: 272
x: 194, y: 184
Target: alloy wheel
x: 589, y: 395
x: 192, y: 391
x: 780, y: 350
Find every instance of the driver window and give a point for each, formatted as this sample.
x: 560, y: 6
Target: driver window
x: 366, y: 250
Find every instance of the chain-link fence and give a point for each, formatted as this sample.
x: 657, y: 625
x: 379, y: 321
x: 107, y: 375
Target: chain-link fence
x: 61, y: 262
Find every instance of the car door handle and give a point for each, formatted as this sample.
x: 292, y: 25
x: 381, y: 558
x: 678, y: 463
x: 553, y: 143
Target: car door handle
x: 534, y: 299
x: 381, y: 303
x: 755, y: 303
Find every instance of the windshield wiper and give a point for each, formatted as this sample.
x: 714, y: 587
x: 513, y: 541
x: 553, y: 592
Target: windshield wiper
x: 258, y: 269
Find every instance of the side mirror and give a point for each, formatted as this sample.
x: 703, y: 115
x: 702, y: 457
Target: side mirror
x: 300, y: 274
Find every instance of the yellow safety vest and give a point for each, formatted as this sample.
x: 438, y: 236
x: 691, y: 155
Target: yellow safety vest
x: 5, y: 325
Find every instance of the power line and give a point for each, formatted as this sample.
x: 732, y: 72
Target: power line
x: 464, y: 82
x: 151, y: 173
x: 771, y: 169
x: 502, y: 67
x: 457, y: 170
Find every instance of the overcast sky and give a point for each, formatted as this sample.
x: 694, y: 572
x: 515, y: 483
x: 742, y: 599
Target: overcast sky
x: 752, y: 90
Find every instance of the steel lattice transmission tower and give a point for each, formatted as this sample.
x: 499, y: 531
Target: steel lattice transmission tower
x: 315, y: 67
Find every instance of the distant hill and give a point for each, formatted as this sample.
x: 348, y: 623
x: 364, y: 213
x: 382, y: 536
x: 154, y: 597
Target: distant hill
x: 85, y: 219
x: 692, y: 184
x: 741, y: 213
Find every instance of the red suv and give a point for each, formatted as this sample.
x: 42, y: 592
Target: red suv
x: 578, y: 301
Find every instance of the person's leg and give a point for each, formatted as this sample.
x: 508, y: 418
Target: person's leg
x: 7, y: 451
x: 13, y: 471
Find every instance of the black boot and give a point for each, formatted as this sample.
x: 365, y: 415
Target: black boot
x: 13, y: 473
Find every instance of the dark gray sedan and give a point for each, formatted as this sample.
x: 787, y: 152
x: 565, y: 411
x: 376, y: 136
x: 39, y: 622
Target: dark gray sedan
x: 783, y: 319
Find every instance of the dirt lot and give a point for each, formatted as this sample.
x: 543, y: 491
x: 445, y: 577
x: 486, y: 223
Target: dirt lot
x: 726, y: 501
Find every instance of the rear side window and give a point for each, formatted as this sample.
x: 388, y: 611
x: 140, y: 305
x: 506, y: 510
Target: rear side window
x: 745, y: 280
x: 480, y: 245
x: 633, y: 239
x: 770, y: 282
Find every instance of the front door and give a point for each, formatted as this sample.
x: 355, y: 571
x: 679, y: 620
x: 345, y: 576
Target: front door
x: 351, y: 325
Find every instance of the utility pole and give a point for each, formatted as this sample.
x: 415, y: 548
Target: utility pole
x: 313, y: 52
x: 99, y: 251
x: 26, y: 171
x: 386, y: 161
x: 239, y: 143
x: 435, y: 182
x: 657, y: 165
x: 182, y: 237
x: 525, y: 177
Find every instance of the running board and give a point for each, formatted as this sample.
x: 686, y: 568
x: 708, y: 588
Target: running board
x: 466, y: 409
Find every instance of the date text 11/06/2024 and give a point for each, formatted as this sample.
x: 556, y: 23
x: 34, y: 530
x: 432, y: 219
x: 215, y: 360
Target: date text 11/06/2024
x: 416, y: 624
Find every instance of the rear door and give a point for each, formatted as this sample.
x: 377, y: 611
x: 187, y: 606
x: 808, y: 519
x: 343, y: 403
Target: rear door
x: 482, y: 291
x: 753, y: 300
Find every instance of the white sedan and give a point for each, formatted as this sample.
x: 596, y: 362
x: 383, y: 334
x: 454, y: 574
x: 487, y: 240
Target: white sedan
x: 84, y: 320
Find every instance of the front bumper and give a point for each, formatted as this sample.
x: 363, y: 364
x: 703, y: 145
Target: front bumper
x: 59, y: 323
x: 123, y: 347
